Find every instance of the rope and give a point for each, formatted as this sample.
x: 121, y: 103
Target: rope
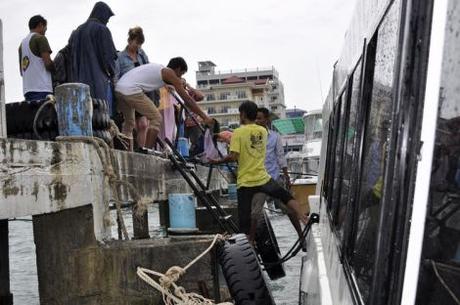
x: 115, y: 133
x: 173, y: 294
x: 443, y: 283
x: 50, y: 100
x: 108, y: 160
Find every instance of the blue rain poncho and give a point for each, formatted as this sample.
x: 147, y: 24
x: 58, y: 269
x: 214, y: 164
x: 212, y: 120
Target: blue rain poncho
x: 93, y: 53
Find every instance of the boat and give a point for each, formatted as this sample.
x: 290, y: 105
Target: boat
x: 388, y: 181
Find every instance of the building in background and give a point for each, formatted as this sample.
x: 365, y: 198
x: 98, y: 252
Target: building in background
x: 295, y: 113
x: 225, y: 90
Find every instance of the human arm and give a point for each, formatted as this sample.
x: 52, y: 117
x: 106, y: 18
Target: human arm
x: 231, y: 157
x: 44, y: 50
x: 107, y: 52
x: 234, y: 154
x: 197, y: 95
x: 20, y: 60
x: 171, y: 78
x: 49, y: 64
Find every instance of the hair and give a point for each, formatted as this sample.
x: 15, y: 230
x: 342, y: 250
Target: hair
x: 264, y: 111
x: 36, y: 21
x: 249, y: 109
x: 136, y: 33
x: 178, y: 62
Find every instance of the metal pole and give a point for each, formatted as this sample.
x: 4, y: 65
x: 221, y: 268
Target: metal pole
x: 6, y: 298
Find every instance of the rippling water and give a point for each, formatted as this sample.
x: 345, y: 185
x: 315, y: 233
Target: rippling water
x: 23, y: 269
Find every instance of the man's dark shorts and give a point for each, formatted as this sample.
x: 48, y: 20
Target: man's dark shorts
x: 245, y: 195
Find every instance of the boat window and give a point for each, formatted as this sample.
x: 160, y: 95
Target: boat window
x: 440, y: 262
x: 375, y: 142
x: 348, y: 170
x: 338, y: 155
x: 331, y: 157
x: 313, y: 127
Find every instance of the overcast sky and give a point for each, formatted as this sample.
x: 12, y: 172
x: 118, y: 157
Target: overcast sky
x: 301, y: 38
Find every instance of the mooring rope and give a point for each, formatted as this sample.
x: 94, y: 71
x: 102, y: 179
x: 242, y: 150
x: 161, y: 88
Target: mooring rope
x: 172, y: 293
x: 50, y: 101
x: 108, y: 160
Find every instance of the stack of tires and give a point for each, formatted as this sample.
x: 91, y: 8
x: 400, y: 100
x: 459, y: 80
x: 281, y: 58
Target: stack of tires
x: 20, y: 118
x: 101, y: 120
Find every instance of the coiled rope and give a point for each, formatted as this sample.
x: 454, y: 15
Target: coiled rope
x: 172, y: 293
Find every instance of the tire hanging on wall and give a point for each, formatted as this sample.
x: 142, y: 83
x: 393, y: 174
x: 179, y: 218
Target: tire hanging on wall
x: 243, y: 273
x: 268, y: 249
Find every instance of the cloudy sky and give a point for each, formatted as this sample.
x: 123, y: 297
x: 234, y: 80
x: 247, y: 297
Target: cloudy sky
x: 300, y: 38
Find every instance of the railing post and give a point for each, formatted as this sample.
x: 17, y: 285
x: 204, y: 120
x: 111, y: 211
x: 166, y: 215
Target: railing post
x: 6, y: 298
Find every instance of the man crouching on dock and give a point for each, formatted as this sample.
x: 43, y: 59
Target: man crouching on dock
x: 130, y: 93
x: 248, y: 147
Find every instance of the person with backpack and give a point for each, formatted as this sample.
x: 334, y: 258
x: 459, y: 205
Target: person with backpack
x: 131, y: 57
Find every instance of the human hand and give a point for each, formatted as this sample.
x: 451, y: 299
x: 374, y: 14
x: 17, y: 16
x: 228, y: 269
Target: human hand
x: 287, y: 179
x: 213, y: 161
x: 209, y: 121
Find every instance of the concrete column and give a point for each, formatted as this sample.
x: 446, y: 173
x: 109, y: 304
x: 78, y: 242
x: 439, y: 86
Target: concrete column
x: 6, y: 298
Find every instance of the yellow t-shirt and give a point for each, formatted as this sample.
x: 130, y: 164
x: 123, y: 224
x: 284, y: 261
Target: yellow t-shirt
x: 250, y: 142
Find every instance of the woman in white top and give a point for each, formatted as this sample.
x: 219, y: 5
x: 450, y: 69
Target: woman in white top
x: 130, y: 93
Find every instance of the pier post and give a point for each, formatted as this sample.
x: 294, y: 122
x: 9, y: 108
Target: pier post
x: 6, y: 298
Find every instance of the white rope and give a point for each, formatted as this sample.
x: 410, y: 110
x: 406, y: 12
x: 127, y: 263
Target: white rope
x: 173, y: 294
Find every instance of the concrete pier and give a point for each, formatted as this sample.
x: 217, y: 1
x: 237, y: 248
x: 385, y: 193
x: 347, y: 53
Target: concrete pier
x: 82, y: 271
x: 5, y: 296
x: 64, y: 186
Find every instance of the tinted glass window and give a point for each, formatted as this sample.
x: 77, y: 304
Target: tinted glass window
x: 349, y: 148
x: 338, y: 156
x: 375, y: 143
x: 332, y: 152
x: 439, y: 281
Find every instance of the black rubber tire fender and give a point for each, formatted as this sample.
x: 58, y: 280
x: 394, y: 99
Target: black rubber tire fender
x: 11, y: 111
x: 243, y: 273
x: 268, y: 249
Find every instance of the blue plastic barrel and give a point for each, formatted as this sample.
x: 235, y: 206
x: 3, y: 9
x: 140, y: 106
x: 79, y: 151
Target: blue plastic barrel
x: 182, y: 211
x: 74, y: 110
x: 183, y: 147
x: 232, y: 191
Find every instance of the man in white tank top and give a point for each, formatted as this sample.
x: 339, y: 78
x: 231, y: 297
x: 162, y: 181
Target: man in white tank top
x: 130, y: 94
x: 35, y: 63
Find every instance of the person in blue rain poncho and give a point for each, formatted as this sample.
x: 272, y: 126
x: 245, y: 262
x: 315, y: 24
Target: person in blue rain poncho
x: 93, y: 54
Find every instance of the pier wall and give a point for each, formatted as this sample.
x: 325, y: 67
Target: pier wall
x: 39, y: 177
x: 82, y: 271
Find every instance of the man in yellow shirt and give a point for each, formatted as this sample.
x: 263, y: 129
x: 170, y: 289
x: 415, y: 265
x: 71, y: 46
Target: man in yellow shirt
x: 248, y: 146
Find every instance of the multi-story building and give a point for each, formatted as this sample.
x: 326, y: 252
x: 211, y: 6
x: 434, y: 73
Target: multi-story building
x: 226, y: 90
x: 295, y: 113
